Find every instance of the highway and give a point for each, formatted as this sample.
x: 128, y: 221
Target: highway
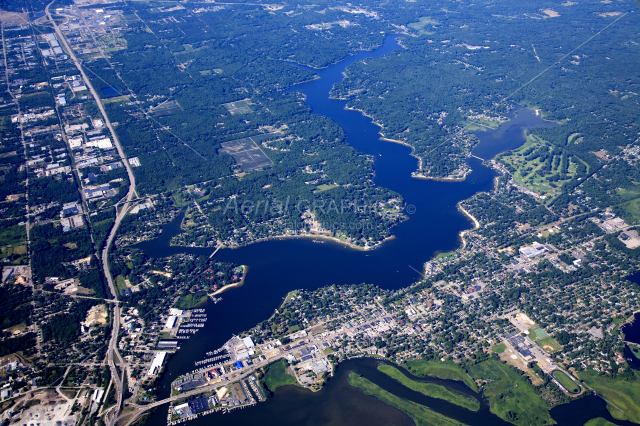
x: 113, y: 356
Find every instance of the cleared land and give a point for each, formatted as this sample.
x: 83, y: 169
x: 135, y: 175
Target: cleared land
x: 277, y: 376
x: 622, y: 396
x: 238, y: 107
x: 510, y: 395
x: 419, y: 413
x: 246, y: 153
x: 566, y: 381
x: 431, y: 389
x: 424, y: 22
x: 444, y: 370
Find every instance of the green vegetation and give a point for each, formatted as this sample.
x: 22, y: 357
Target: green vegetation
x: 635, y: 350
x: 499, y: 348
x: 566, y: 381
x: 12, y: 234
x: 277, y: 375
x: 190, y: 301
x: 539, y: 167
x: 424, y: 22
x: 446, y: 255
x: 549, y: 344
x: 431, y: 389
x: 419, y: 413
x: 599, y: 422
x: 622, y: 395
x: 444, y: 370
x: 510, y: 395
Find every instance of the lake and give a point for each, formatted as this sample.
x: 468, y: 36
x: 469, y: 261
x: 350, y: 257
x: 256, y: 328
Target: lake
x: 278, y: 266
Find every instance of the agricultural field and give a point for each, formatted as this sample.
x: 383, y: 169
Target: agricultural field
x: 540, y: 167
x: 247, y: 154
x: 238, y: 107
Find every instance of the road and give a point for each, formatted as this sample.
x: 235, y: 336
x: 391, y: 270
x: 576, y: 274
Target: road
x: 112, y: 353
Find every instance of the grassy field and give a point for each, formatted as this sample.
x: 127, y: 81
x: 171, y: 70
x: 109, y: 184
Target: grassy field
x: 525, y: 173
x: 424, y: 22
x: 120, y: 284
x: 599, y: 422
x: 422, y: 415
x: 549, y: 345
x: 622, y: 396
x: 431, y: 389
x: 499, y: 348
x: 123, y: 98
x: 190, y: 301
x: 321, y: 188
x: 566, y: 381
x: 277, y: 376
x: 444, y: 370
x: 510, y: 395
x: 11, y: 235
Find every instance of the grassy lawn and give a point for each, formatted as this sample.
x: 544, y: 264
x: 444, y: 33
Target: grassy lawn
x: 510, y: 395
x: 120, y: 284
x: 566, y: 381
x: 549, y: 345
x: 444, y: 370
x: 190, y: 301
x: 499, y: 348
x: 525, y: 173
x: 321, y: 188
x: 446, y: 255
x: 431, y: 389
x: 422, y: 415
x: 289, y: 296
x: 277, y: 376
x: 622, y: 396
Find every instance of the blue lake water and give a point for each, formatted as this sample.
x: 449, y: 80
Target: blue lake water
x: 278, y: 266
x: 109, y: 91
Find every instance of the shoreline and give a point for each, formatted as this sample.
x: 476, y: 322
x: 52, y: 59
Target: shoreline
x: 476, y: 225
x: 444, y: 179
x: 234, y: 285
x: 382, y: 136
x: 313, y: 237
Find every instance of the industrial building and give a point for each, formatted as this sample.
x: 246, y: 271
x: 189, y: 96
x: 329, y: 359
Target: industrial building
x: 157, y: 362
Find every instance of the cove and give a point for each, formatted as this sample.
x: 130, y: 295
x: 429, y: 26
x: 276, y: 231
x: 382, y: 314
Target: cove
x: 279, y: 266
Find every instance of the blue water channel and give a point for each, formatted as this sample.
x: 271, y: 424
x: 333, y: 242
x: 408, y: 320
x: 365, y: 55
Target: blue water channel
x: 278, y: 266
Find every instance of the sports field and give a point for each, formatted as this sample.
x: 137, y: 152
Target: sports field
x: 247, y: 154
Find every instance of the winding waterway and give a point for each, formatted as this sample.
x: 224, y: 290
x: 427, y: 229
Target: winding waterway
x: 278, y: 266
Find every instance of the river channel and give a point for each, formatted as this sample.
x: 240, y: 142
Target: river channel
x: 278, y: 266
